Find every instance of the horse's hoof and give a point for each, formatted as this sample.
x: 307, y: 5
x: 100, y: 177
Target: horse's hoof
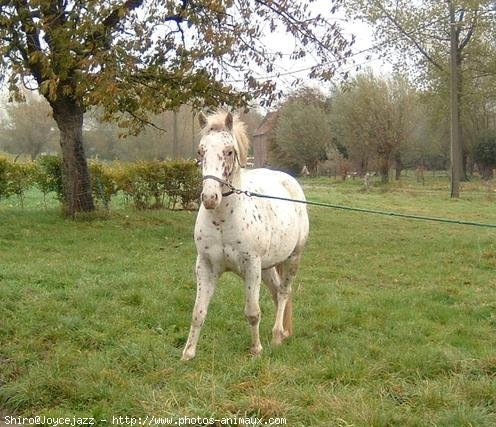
x: 278, y: 337
x: 188, y: 355
x: 255, y: 350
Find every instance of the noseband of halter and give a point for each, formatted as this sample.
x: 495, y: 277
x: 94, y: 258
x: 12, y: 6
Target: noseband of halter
x: 232, y: 189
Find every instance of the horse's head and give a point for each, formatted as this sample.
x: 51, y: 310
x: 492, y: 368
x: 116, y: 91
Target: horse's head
x: 220, y: 154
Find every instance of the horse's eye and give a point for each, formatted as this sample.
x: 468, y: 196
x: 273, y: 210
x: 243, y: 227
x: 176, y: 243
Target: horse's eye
x: 229, y: 153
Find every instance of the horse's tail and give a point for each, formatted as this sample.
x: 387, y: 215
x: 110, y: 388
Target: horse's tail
x: 288, y: 316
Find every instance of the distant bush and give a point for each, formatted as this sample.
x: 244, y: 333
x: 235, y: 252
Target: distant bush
x: 15, y: 178
x: 155, y: 184
x: 4, y: 187
x: 485, y: 155
x: 103, y: 184
x: 141, y: 182
x: 48, y: 175
x: 20, y: 178
x: 182, y: 183
x: 148, y: 184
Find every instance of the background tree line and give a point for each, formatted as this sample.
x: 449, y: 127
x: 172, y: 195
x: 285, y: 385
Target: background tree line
x: 448, y: 50
x: 369, y: 123
x: 449, y: 47
x: 28, y: 130
x: 375, y: 123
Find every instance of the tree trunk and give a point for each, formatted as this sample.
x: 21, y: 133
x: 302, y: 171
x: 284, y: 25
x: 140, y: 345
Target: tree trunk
x: 35, y: 151
x: 398, y: 166
x: 313, y: 168
x: 68, y: 115
x: 462, y: 153
x: 363, y: 166
x: 487, y: 172
x: 466, y: 171
x: 193, y: 144
x: 384, y: 169
x: 455, y: 146
x: 175, y: 140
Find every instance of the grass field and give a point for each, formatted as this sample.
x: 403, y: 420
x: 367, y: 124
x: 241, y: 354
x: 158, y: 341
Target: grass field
x: 395, y: 320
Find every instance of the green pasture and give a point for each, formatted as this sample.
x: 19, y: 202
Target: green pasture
x: 395, y: 320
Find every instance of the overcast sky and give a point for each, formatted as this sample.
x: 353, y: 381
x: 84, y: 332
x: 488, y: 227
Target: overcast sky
x: 364, y: 41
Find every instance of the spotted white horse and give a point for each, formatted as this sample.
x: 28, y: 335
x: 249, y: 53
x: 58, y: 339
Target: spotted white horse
x: 257, y: 238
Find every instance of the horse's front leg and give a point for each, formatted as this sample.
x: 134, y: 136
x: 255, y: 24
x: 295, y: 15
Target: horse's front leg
x: 252, y: 275
x: 205, y: 286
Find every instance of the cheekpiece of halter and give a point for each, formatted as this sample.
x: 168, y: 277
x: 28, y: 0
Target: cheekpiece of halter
x: 232, y: 190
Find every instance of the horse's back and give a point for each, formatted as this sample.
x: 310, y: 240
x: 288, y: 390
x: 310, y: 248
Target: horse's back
x: 280, y: 184
x: 269, y: 181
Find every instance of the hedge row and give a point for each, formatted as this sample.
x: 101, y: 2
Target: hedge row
x: 147, y: 184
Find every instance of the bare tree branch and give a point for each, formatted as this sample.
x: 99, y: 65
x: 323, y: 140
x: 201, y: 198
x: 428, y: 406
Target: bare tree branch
x: 33, y: 44
x: 112, y: 20
x: 145, y: 121
x: 410, y: 37
x: 470, y: 32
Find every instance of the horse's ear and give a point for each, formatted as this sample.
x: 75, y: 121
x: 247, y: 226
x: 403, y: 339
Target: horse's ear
x: 229, y: 122
x: 202, y: 119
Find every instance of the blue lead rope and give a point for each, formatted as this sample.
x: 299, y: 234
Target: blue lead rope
x: 234, y: 190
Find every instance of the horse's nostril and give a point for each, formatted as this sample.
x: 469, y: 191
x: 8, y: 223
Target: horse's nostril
x: 216, y: 197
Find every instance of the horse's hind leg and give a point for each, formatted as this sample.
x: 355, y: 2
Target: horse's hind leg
x: 273, y: 281
x: 285, y: 272
x: 271, y: 278
x: 205, y: 286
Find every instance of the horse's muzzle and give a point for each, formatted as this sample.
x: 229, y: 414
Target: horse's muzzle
x: 210, y: 201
